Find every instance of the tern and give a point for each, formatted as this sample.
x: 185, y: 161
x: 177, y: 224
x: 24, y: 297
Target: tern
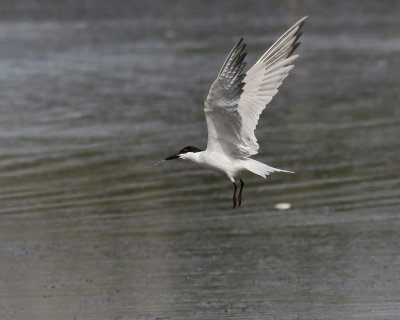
x: 233, y: 107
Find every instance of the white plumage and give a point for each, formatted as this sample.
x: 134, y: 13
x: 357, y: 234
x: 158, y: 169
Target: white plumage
x: 233, y: 107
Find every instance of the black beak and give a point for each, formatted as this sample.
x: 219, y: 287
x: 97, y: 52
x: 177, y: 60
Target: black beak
x: 174, y: 156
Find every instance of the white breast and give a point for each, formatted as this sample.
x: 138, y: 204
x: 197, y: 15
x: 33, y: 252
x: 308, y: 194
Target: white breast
x: 218, y: 162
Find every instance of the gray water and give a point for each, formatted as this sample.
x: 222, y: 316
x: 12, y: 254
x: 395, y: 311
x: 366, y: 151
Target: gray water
x: 93, y: 93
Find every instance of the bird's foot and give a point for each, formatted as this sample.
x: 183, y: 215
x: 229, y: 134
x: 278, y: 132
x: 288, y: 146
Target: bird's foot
x: 234, y: 202
x: 240, y: 199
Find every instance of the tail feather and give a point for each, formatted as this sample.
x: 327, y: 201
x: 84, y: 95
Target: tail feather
x: 261, y: 169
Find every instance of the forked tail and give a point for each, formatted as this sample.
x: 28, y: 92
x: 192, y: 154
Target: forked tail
x: 261, y: 169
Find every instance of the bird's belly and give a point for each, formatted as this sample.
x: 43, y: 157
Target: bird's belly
x: 219, y: 164
x: 218, y: 167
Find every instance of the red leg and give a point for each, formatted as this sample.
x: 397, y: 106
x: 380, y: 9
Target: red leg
x: 234, y: 194
x: 240, y: 192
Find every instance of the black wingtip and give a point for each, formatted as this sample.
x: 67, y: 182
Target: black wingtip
x: 239, y: 43
x: 236, y: 52
x: 298, y: 34
x: 293, y: 49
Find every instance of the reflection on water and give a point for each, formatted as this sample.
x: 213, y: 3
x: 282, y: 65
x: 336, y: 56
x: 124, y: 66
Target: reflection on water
x: 93, y: 95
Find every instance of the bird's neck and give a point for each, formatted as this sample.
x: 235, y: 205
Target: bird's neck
x: 192, y: 156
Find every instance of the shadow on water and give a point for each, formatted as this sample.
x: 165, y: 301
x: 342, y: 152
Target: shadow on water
x: 94, y: 95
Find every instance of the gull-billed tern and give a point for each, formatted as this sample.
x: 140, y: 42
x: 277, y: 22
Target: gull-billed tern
x: 233, y: 107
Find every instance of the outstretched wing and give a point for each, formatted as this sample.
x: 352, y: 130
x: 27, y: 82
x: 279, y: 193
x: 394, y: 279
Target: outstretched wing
x: 236, y: 100
x: 224, y: 122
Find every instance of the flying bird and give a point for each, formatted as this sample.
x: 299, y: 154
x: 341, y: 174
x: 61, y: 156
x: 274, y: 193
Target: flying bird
x: 233, y: 107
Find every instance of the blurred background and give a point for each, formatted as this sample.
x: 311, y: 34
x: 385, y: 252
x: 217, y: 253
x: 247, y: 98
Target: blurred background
x: 93, y: 93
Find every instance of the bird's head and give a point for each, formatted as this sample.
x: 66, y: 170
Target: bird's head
x: 184, y: 153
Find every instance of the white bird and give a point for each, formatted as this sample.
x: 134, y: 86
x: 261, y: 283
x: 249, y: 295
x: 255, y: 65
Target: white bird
x: 233, y: 107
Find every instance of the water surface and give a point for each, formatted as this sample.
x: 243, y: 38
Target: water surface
x: 93, y: 94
